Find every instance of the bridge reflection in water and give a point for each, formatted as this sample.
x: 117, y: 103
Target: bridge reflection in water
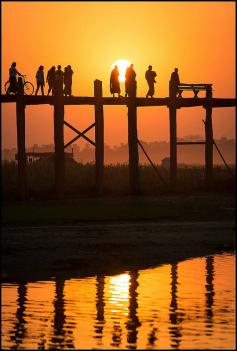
x: 171, y: 307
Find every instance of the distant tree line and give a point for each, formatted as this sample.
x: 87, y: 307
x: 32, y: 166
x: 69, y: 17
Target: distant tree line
x: 157, y: 150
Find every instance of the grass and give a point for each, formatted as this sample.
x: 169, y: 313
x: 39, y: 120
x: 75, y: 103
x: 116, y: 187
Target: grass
x: 80, y: 180
x: 201, y: 207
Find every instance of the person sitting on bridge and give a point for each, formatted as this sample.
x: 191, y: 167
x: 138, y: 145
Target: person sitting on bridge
x: 130, y: 81
x: 51, y: 79
x: 13, y: 73
x: 40, y: 80
x: 174, y: 82
x: 114, y: 82
x: 58, y: 88
x: 150, y: 77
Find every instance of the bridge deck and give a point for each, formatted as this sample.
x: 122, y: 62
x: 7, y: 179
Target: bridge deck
x: 84, y: 100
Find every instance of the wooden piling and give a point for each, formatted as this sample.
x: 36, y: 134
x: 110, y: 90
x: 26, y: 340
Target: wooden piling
x: 134, y: 184
x: 59, y: 157
x: 209, y: 140
x: 21, y: 152
x: 208, y: 148
x: 173, y: 146
x: 99, y: 137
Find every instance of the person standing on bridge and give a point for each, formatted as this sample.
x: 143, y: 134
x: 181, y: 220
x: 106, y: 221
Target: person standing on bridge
x: 58, y: 88
x: 130, y: 82
x: 13, y: 73
x: 150, y: 77
x: 173, y: 84
x: 51, y: 79
x: 114, y: 82
x: 67, y: 78
x: 40, y: 80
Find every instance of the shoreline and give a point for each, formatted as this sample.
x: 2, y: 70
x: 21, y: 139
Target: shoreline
x: 33, y: 253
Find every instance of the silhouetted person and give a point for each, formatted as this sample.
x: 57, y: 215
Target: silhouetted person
x: 40, y: 80
x: 67, y: 79
x: 58, y: 88
x: 70, y: 73
x: 174, y: 82
x: 114, y: 81
x: 51, y: 79
x: 13, y: 73
x: 150, y: 77
x: 127, y: 80
x: 130, y: 81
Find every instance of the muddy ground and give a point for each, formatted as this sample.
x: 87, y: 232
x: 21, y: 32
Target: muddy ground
x: 32, y: 253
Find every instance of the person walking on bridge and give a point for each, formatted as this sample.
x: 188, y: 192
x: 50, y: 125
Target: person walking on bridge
x: 173, y: 84
x: 114, y: 82
x: 51, y: 79
x: 130, y: 82
x: 40, y: 80
x: 150, y: 77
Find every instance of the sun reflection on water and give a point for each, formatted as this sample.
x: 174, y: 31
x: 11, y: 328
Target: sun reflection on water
x: 167, y: 307
x: 119, y: 292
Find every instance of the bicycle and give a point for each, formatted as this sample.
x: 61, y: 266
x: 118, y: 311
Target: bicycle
x: 28, y: 87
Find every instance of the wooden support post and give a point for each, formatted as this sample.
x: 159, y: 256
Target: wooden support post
x: 134, y: 183
x: 20, y: 121
x: 208, y: 148
x: 209, y: 141
x: 59, y: 159
x: 99, y: 137
x: 173, y: 147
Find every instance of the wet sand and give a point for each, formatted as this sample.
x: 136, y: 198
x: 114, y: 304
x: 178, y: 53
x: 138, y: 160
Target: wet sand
x: 85, y: 249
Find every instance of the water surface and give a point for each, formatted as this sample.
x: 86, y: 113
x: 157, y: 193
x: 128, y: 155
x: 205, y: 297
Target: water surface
x: 187, y: 305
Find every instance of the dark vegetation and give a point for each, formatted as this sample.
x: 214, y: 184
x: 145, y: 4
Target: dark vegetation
x: 190, y: 202
x: 80, y: 180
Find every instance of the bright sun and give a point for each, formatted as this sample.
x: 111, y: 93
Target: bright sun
x: 122, y: 65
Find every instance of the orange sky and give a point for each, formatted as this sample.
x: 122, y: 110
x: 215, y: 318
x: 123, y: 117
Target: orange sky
x: 197, y: 37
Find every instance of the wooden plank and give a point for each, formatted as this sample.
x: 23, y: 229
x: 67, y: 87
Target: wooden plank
x: 190, y: 142
x: 182, y: 102
x: 59, y: 161
x: 195, y: 84
x: 99, y: 137
x: 20, y: 121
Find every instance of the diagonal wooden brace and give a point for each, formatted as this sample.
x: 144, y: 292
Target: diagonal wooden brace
x: 80, y: 134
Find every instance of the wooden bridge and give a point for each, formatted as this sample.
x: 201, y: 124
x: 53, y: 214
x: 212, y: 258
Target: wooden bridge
x: 132, y: 103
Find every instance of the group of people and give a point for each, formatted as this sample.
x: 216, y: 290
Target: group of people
x: 59, y: 82
x: 131, y: 83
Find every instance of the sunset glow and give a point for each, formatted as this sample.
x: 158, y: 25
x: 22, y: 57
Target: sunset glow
x: 91, y: 41
x: 122, y: 66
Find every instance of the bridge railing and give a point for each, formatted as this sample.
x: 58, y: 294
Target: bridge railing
x: 195, y: 88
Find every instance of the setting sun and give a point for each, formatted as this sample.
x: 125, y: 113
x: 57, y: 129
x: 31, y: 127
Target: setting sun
x: 122, y: 65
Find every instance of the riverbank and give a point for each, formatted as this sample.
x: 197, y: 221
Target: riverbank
x: 172, y: 207
x: 92, y: 236
x: 40, y: 253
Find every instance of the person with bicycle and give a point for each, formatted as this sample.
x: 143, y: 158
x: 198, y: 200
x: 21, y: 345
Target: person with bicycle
x: 40, y: 80
x: 13, y: 73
